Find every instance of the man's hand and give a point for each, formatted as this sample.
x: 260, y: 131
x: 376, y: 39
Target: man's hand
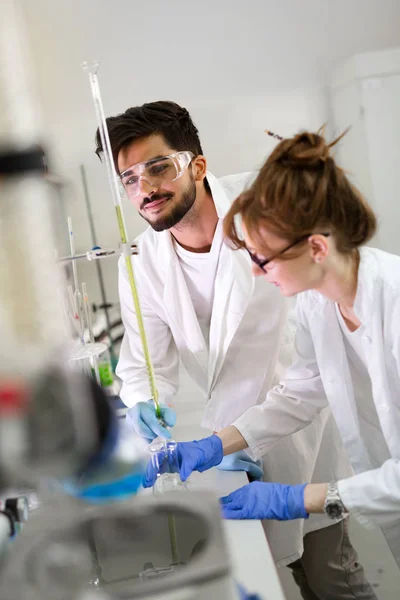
x: 241, y: 461
x: 145, y: 422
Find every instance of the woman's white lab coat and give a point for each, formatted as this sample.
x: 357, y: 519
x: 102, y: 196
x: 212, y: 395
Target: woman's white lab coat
x: 236, y: 370
x: 320, y: 375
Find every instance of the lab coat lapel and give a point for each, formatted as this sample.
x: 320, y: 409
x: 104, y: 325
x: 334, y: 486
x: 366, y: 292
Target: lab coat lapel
x: 234, y: 285
x: 335, y: 375
x: 386, y: 408
x: 370, y: 310
x: 178, y: 303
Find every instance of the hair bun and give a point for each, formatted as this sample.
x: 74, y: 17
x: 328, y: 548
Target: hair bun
x: 305, y: 150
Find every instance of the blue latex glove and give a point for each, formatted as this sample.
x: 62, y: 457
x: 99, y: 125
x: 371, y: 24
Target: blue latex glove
x: 144, y: 421
x: 241, y: 461
x: 265, y: 501
x: 192, y: 456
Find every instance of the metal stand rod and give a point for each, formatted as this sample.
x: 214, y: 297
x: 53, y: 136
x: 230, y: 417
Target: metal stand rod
x: 98, y: 265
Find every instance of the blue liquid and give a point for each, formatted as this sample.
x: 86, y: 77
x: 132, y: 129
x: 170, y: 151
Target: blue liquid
x: 113, y: 490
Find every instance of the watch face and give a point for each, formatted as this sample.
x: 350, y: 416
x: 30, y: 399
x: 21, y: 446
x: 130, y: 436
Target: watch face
x: 334, y: 510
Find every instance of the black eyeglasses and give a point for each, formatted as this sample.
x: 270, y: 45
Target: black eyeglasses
x: 262, y: 262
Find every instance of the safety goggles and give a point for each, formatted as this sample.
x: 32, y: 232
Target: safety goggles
x: 156, y: 172
x: 261, y: 262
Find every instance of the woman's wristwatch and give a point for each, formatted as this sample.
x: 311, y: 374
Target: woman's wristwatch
x: 334, y: 506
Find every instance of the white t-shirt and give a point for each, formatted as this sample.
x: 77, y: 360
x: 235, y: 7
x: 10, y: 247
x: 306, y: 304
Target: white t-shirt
x: 370, y: 427
x: 200, y: 270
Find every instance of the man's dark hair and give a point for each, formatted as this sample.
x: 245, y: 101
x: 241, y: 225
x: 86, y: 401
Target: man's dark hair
x: 168, y: 119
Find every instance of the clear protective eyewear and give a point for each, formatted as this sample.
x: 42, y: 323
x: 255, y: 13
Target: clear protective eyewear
x: 156, y: 171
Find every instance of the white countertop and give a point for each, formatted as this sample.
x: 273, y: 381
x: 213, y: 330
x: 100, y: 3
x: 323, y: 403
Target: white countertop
x: 253, y: 565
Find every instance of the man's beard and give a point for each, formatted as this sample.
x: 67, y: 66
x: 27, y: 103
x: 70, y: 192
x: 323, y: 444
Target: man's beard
x: 177, y: 212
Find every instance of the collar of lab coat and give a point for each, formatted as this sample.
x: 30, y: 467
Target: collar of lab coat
x: 368, y: 274
x: 166, y: 250
x: 364, y: 303
x: 221, y: 202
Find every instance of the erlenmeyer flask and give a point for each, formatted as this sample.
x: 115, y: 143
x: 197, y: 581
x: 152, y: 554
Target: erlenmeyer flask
x: 164, y: 460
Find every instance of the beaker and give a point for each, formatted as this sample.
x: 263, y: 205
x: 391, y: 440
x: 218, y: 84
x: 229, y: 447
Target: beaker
x: 165, y: 465
x: 105, y: 369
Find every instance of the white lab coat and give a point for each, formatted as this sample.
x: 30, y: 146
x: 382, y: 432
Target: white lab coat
x: 321, y: 375
x: 237, y: 370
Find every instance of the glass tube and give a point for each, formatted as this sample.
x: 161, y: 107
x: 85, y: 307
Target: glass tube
x: 165, y: 464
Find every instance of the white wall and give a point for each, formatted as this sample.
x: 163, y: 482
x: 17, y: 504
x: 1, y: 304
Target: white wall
x: 366, y: 96
x: 238, y: 67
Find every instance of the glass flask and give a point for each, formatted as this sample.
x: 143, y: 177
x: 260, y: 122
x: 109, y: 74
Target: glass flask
x: 165, y: 466
x: 105, y: 369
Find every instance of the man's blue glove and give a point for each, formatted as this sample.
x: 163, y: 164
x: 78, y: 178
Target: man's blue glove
x: 265, y: 501
x: 144, y: 420
x: 192, y: 456
x: 241, y: 461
